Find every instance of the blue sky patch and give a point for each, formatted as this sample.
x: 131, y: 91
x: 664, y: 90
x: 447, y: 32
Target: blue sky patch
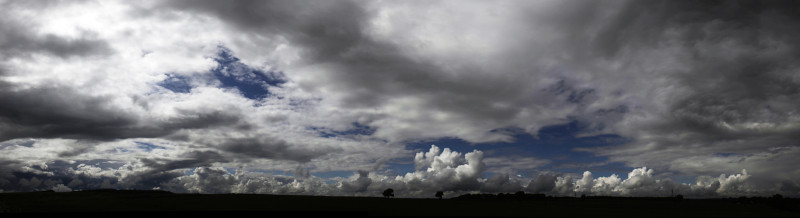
x: 331, y: 174
x: 357, y: 129
x: 176, y: 83
x: 252, y: 83
x: 148, y: 147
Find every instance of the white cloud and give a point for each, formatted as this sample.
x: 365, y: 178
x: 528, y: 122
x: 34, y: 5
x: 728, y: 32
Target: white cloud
x: 586, y: 183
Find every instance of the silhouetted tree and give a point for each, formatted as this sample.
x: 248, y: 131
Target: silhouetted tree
x: 388, y: 193
x: 439, y: 194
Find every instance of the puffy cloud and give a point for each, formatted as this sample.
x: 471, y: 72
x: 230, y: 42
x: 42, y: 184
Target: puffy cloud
x: 501, y: 182
x: 444, y: 170
x: 450, y: 171
x: 606, y: 185
x: 360, y: 184
x: 545, y: 183
x: 733, y: 183
x: 209, y: 180
x: 564, y: 185
x: 638, y: 180
x: 586, y: 183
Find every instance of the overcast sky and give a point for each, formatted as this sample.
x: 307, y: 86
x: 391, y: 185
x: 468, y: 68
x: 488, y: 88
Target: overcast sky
x: 567, y: 97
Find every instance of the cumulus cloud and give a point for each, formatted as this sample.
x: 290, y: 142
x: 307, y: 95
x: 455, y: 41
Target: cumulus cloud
x: 449, y: 171
x: 443, y: 169
x: 360, y: 184
x: 543, y: 183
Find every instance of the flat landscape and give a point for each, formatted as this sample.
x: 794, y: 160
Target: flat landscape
x: 110, y: 201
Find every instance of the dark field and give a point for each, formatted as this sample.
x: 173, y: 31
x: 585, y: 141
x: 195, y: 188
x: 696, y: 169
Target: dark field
x: 145, y: 202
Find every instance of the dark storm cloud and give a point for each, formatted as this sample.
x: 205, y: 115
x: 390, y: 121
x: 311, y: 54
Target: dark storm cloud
x: 188, y: 160
x: 18, y: 39
x: 63, y: 112
x: 744, y: 68
x: 543, y: 183
x: 643, y: 23
x: 734, y: 90
x: 329, y: 27
x: 271, y: 148
x: 162, y: 172
x: 56, y: 111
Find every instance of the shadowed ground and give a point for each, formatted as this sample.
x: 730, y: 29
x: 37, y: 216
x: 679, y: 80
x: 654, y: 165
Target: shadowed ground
x: 109, y: 201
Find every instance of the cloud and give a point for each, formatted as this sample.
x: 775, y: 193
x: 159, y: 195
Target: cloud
x: 360, y: 184
x: 510, y: 164
x: 695, y: 88
x: 61, y: 188
x: 586, y: 183
x: 443, y: 169
x: 209, y: 180
x: 408, y: 95
x: 543, y: 183
x: 64, y: 112
x: 564, y: 185
x: 450, y: 172
x: 500, y: 182
x: 19, y: 38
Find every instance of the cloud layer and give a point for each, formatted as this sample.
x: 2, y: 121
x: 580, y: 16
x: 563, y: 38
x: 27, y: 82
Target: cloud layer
x: 436, y: 170
x: 214, y: 97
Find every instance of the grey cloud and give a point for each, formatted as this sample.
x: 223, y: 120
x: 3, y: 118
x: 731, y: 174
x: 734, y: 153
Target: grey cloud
x: 772, y: 170
x: 64, y: 175
x: 50, y: 111
x: 150, y: 180
x: 543, y: 183
x: 359, y: 185
x: 500, y: 182
x: 210, y: 180
x: 64, y: 112
x: 727, y: 69
x: 365, y: 73
x: 329, y: 27
x: 16, y: 176
x: 188, y: 160
x: 271, y: 148
x: 18, y: 39
x: 685, y: 81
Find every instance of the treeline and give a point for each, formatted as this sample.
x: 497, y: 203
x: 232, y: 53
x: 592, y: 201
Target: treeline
x: 502, y: 196
x: 525, y: 196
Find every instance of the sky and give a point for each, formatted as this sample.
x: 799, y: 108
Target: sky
x: 349, y: 98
